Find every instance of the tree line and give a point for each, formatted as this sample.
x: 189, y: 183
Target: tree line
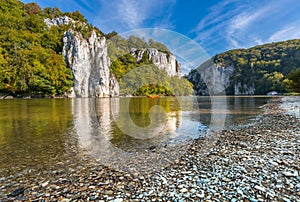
x: 31, y: 61
x: 270, y: 67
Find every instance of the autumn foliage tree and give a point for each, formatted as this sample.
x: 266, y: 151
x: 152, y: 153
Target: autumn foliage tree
x: 30, y: 52
x: 293, y: 81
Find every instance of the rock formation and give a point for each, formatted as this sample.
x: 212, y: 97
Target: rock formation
x: 90, y: 65
x: 89, y: 62
x: 216, y: 78
x: 64, y: 20
x: 165, y: 61
x: 209, y: 80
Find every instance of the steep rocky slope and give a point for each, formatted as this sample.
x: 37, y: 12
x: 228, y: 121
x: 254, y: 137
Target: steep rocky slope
x: 90, y: 64
x: 162, y: 60
x: 256, y: 70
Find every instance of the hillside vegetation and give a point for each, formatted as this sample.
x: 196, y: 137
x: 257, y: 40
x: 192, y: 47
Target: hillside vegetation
x: 152, y: 79
x: 266, y: 66
x: 30, y: 52
x: 31, y: 61
x: 257, y: 70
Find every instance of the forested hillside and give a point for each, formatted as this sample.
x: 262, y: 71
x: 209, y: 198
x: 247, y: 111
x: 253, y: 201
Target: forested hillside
x: 31, y: 60
x: 32, y: 63
x: 123, y: 61
x: 30, y: 52
x: 263, y: 68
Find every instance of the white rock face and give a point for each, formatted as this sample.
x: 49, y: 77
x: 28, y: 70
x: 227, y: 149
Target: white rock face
x: 215, y: 77
x: 114, y: 88
x: 88, y: 60
x: 225, y: 74
x: 90, y: 65
x: 211, y: 79
x: 244, y: 89
x: 162, y: 60
x: 64, y: 20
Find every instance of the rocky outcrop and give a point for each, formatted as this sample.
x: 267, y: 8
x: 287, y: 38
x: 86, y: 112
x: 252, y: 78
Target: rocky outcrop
x: 63, y: 20
x: 212, y: 78
x: 165, y: 61
x: 89, y: 62
x: 243, y: 89
x: 208, y: 79
x: 90, y: 65
x: 114, y: 88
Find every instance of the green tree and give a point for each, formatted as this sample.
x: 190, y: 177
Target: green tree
x: 136, y: 42
x: 33, y: 8
x: 150, y: 80
x: 30, y: 53
x: 76, y: 15
x: 159, y: 46
x: 264, y: 66
x: 292, y: 83
x: 52, y: 12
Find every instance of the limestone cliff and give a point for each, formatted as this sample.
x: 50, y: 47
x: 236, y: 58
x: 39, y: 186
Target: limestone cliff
x: 209, y: 79
x: 87, y: 58
x: 64, y: 20
x: 165, y: 61
x: 90, y: 65
x: 255, y: 70
x: 215, y: 78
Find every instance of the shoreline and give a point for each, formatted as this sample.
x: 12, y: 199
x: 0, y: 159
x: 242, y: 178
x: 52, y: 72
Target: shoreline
x: 258, y: 162
x: 138, y: 96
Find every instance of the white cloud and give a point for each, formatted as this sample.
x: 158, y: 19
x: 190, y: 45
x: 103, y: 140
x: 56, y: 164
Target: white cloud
x: 214, y: 27
x: 216, y: 15
x: 125, y: 15
x: 83, y: 4
x: 242, y: 30
x: 236, y: 24
x: 131, y: 12
x: 291, y: 31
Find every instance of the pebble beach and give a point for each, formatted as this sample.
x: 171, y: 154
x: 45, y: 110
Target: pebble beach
x: 257, y: 162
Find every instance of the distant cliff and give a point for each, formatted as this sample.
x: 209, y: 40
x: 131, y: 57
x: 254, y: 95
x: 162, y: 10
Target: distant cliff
x: 256, y: 70
x: 164, y: 61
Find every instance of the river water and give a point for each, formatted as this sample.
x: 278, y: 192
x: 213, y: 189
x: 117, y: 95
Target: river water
x: 38, y: 133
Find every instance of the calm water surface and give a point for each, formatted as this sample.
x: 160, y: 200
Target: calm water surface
x: 39, y: 132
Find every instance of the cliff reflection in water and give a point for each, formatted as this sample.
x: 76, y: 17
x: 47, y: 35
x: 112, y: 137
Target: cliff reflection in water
x: 132, y: 124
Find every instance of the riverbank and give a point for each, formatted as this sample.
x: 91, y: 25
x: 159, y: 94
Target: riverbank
x: 259, y: 162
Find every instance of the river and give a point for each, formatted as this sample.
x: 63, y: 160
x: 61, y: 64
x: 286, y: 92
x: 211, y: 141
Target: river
x: 36, y: 134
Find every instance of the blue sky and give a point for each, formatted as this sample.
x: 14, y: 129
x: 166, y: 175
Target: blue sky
x: 216, y: 25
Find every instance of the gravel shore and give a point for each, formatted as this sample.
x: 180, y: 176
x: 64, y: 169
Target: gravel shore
x: 258, y: 162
